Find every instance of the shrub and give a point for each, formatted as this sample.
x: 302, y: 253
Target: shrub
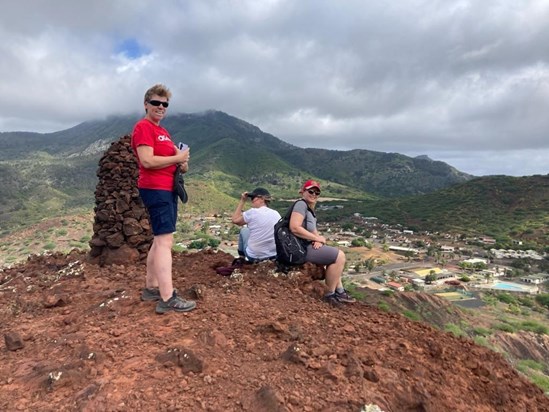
x: 213, y: 242
x: 526, y: 301
x: 490, y: 300
x: 198, y: 244
x: 506, y: 298
x: 543, y: 299
x: 514, y: 309
x: 525, y: 312
x: 49, y: 246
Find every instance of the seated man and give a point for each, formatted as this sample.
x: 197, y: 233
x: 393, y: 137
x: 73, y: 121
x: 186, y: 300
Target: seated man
x: 256, y: 241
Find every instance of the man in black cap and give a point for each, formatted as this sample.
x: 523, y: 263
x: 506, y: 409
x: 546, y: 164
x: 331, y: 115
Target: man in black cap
x: 256, y: 240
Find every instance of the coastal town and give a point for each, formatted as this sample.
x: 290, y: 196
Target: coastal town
x: 394, y: 258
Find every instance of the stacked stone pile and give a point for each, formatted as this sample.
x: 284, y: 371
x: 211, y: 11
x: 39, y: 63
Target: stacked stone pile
x: 121, y: 230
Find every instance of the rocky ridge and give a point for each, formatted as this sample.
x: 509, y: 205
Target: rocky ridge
x: 77, y: 337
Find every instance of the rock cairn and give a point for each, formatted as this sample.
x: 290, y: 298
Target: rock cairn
x: 121, y: 230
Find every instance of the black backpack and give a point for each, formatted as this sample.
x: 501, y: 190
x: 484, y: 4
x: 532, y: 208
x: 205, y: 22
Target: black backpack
x: 290, y: 249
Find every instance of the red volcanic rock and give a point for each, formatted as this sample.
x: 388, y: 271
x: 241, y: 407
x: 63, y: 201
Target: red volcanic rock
x: 121, y: 230
x: 255, y: 343
x: 13, y: 341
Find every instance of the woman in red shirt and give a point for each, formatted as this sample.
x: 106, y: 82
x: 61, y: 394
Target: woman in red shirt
x: 158, y: 158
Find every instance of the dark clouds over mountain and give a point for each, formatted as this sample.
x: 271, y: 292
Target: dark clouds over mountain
x: 466, y: 83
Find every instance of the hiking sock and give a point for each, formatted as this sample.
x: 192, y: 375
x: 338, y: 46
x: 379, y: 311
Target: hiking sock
x: 340, y: 290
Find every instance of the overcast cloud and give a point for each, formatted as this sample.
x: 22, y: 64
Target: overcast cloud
x: 465, y: 82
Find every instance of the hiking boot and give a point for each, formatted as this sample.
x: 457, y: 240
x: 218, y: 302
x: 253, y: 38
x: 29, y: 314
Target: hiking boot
x: 150, y: 294
x: 239, y: 262
x: 176, y: 304
x: 344, y: 297
x: 332, y: 300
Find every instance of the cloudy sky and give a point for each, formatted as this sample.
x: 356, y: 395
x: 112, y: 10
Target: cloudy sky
x: 465, y: 82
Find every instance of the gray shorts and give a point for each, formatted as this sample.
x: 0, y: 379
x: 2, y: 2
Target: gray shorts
x: 325, y: 255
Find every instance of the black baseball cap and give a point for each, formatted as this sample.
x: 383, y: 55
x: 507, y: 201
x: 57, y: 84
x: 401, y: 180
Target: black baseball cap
x: 259, y: 191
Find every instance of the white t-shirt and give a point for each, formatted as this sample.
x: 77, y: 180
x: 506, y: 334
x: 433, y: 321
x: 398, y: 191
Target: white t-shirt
x: 261, y: 221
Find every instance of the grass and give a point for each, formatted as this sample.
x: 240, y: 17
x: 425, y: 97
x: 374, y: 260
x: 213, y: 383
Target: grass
x: 480, y: 331
x: 535, y: 372
x: 49, y: 246
x: 352, y: 289
x: 482, y: 341
x: 454, y: 330
x: 410, y: 314
x: 540, y: 380
x: 78, y: 245
x: 533, y: 326
x: 384, y: 306
x: 505, y: 327
x: 178, y: 248
x: 526, y: 364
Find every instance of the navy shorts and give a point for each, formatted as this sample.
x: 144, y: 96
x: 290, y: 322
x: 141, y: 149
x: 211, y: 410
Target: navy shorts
x: 162, y: 208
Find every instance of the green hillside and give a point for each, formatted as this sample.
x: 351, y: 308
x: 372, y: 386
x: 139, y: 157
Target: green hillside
x: 504, y: 207
x: 384, y: 174
x: 44, y: 175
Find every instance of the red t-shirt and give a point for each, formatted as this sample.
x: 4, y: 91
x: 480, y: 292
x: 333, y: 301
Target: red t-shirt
x: 149, y: 134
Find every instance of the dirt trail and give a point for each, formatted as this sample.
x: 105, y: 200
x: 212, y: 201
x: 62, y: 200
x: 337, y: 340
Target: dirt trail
x: 256, y: 342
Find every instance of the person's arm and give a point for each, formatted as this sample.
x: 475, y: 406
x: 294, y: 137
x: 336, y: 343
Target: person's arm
x: 150, y: 161
x: 237, y: 217
x: 296, y: 227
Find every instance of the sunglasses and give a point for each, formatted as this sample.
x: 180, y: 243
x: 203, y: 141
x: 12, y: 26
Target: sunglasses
x: 313, y: 192
x: 158, y: 103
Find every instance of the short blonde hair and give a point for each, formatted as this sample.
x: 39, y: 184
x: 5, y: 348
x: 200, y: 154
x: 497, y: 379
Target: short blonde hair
x: 158, y: 90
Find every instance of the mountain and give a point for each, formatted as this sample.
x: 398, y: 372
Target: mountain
x: 43, y: 173
x: 225, y: 141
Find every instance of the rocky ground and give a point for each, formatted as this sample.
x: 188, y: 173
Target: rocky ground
x: 77, y: 337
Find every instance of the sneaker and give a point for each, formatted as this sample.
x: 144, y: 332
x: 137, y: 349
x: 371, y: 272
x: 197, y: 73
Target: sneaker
x: 150, y: 294
x: 332, y: 300
x: 176, y: 304
x: 344, y: 297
